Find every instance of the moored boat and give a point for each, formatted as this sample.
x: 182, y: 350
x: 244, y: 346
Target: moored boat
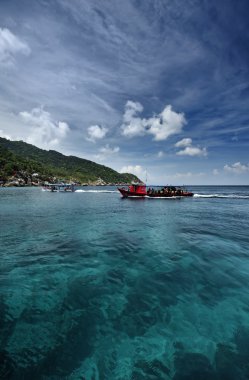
x: 141, y: 190
x: 59, y: 187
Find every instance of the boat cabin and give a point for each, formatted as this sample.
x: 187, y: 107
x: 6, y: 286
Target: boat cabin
x: 137, y: 188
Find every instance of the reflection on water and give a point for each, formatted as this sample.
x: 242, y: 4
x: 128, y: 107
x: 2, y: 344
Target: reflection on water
x: 95, y: 287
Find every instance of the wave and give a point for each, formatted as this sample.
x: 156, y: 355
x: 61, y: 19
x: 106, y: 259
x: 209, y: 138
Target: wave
x: 96, y: 191
x: 229, y: 196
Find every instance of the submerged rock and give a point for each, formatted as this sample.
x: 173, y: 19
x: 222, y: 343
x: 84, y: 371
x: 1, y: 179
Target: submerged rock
x: 7, y: 366
x: 193, y: 366
x: 150, y: 370
x: 226, y: 361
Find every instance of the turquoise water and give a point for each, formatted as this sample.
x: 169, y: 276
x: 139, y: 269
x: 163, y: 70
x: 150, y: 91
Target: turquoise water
x: 95, y: 287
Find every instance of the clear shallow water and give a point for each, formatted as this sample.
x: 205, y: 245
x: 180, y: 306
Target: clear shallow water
x: 97, y: 287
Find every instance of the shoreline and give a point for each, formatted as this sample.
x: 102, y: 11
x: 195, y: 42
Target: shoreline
x: 78, y: 185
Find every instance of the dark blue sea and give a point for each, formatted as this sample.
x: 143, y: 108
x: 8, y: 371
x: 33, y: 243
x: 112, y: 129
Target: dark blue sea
x: 96, y: 287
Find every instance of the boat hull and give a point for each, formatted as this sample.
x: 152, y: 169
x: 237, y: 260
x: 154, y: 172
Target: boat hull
x: 163, y: 196
x: 128, y: 194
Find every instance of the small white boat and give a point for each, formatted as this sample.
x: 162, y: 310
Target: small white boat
x: 59, y: 187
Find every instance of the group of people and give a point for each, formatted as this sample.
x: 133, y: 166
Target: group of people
x: 165, y: 190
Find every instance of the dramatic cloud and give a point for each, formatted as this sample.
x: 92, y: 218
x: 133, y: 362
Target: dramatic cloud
x: 44, y: 131
x: 237, y: 168
x: 161, y: 126
x: 10, y: 45
x: 189, y: 149
x: 96, y: 132
x: 86, y: 64
x: 137, y: 170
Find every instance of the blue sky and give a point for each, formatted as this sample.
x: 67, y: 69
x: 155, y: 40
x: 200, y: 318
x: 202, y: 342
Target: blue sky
x: 156, y: 85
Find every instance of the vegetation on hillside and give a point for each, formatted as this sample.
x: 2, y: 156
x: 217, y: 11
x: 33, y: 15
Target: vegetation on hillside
x: 20, y: 158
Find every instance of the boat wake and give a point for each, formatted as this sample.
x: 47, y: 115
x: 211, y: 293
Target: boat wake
x: 229, y: 196
x: 96, y: 191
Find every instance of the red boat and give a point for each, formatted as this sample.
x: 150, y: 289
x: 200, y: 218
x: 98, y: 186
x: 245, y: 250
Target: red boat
x: 140, y: 190
x: 133, y: 190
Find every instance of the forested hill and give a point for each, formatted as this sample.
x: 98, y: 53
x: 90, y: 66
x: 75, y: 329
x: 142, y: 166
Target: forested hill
x: 19, y: 159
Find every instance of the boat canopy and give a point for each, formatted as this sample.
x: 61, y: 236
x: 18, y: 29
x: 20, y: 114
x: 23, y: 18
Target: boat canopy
x: 59, y: 186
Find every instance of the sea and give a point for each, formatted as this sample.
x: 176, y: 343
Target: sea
x: 96, y: 287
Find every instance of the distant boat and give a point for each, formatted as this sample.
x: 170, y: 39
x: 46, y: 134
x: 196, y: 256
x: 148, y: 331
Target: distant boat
x: 59, y: 187
x: 141, y: 190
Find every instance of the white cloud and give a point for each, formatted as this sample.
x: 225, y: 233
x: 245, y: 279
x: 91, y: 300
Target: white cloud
x: 188, y: 175
x: 216, y: 172
x: 161, y: 126
x: 106, y: 151
x: 96, y: 132
x: 10, y: 45
x: 160, y: 154
x: 184, y: 142
x: 44, y: 131
x: 192, y: 151
x: 167, y: 123
x: 131, y: 108
x: 132, y: 125
x: 189, y: 149
x: 236, y: 168
x: 136, y: 169
x: 4, y: 135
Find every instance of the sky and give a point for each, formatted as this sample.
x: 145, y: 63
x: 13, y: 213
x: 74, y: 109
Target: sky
x: 158, y: 88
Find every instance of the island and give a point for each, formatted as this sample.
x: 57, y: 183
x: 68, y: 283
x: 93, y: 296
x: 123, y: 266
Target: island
x: 23, y: 164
